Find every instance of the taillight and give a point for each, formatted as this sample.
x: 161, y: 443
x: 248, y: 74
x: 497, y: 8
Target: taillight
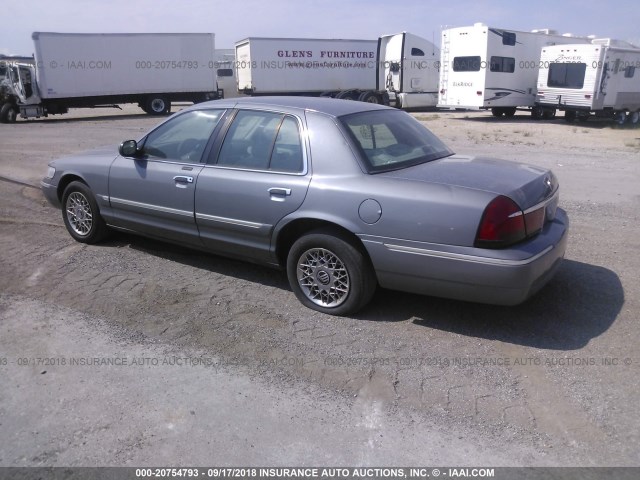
x: 534, y: 221
x: 502, y: 224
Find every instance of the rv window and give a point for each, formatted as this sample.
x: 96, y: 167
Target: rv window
x: 416, y: 52
x: 566, y: 75
x: 503, y: 64
x: 508, y: 38
x: 466, y: 64
x: 225, y: 72
x: 630, y: 71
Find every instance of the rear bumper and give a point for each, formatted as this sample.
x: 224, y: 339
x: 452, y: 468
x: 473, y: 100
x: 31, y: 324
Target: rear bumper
x: 499, y: 277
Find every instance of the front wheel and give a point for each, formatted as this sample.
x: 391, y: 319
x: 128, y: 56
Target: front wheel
x: 328, y: 273
x: 8, y: 113
x: 81, y: 214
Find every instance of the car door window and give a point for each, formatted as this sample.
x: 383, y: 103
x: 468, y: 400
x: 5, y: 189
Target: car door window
x: 287, y: 151
x: 184, y: 137
x: 263, y: 141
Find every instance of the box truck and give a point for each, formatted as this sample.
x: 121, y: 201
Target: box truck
x: 602, y: 78
x: 73, y: 70
x: 493, y: 68
x: 400, y: 69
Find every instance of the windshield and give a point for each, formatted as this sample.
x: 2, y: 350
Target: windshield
x: 390, y: 139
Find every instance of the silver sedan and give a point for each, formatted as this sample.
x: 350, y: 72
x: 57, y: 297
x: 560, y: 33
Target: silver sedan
x: 346, y: 196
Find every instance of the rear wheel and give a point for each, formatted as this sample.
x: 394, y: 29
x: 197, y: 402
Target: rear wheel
x: 583, y: 116
x: 536, y: 113
x: 346, y: 95
x: 369, y: 97
x: 549, y: 113
x: 8, y: 113
x: 497, y: 112
x: 158, y: 105
x: 619, y: 118
x: 509, y: 111
x: 329, y: 273
x: 633, y: 118
x: 570, y: 116
x: 81, y: 214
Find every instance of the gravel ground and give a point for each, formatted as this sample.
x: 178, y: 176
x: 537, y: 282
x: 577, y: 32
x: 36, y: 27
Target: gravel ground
x: 409, y: 380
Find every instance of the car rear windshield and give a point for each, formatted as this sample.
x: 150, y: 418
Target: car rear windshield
x: 390, y: 140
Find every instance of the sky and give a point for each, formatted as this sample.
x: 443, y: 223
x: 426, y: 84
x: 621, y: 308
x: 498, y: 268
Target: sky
x: 235, y: 20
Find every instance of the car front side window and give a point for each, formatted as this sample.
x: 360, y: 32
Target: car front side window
x: 184, y: 137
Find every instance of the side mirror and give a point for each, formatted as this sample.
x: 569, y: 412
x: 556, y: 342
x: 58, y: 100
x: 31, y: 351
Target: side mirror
x: 128, y: 148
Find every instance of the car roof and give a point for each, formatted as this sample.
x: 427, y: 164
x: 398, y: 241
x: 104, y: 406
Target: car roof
x: 326, y: 105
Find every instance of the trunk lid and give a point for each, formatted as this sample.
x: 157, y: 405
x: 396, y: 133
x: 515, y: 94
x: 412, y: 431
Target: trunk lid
x: 527, y: 185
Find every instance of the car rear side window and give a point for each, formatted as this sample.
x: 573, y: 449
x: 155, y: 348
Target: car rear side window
x: 389, y: 140
x: 263, y: 141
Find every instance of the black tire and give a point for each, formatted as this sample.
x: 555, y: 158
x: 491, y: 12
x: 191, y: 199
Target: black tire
x: 633, y: 118
x: 583, y: 116
x: 81, y: 214
x: 323, y: 259
x: 8, y: 113
x: 346, y: 95
x: 369, y: 97
x: 620, y: 118
x: 497, y: 112
x: 509, y: 111
x: 536, y: 113
x: 570, y: 116
x: 549, y: 113
x: 158, y: 105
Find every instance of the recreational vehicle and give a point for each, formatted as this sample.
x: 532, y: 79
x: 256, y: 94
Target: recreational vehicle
x: 601, y: 78
x: 493, y: 68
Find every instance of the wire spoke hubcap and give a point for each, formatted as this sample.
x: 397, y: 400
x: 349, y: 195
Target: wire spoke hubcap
x: 79, y: 213
x: 323, y: 277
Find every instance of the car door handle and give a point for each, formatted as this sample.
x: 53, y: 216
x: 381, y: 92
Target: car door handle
x: 183, y: 179
x: 280, y: 191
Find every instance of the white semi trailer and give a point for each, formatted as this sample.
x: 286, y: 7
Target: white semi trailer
x: 400, y: 70
x: 601, y: 78
x: 73, y: 70
x: 493, y: 68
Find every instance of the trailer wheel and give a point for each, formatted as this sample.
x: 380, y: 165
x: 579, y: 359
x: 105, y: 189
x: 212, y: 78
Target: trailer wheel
x: 369, y: 97
x: 346, y: 95
x: 158, y: 105
x: 536, y: 113
x: 8, y: 113
x: 497, y: 112
x: 570, y: 116
x: 549, y: 113
x: 583, y: 116
x: 619, y: 118
x: 633, y: 117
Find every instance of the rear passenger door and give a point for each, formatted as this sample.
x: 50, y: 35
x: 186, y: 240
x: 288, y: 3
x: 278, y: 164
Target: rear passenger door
x: 255, y: 177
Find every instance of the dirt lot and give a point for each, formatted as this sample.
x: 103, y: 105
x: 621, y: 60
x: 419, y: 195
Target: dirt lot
x: 409, y: 381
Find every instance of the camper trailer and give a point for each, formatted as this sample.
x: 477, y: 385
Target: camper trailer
x: 399, y: 70
x: 494, y: 68
x: 602, y: 78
